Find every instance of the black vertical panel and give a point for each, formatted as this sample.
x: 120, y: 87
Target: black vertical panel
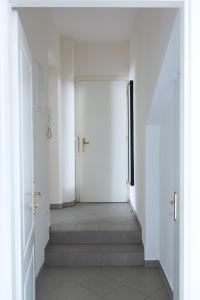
x: 131, y: 133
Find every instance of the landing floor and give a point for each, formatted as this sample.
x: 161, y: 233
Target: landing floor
x: 100, y: 283
x: 96, y: 215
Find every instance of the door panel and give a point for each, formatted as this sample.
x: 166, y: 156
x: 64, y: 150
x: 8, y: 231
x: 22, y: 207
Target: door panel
x: 29, y: 280
x: 102, y: 121
x: 176, y: 148
x: 26, y: 160
x: 26, y: 146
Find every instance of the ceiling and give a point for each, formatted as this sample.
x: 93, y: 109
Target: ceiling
x: 95, y: 24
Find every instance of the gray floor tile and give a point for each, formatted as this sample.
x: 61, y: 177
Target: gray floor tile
x: 110, y: 215
x: 84, y: 259
x: 124, y: 293
x: 63, y: 226
x: 135, y: 259
x: 98, y: 283
x: 111, y: 236
x: 66, y: 291
x: 147, y: 284
x: 112, y: 259
x: 101, y: 285
x: 87, y: 236
x: 62, y: 236
x: 111, y: 227
x: 159, y: 295
x: 82, y: 274
x: 87, y: 227
x: 121, y: 274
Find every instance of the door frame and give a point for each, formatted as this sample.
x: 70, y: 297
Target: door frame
x: 21, y: 254
x: 77, y: 156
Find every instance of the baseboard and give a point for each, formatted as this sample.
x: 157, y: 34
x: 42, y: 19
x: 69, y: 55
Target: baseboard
x: 62, y: 205
x: 38, y: 275
x: 157, y: 264
x: 166, y: 282
x: 152, y: 264
x: 133, y: 211
x: 41, y: 270
x: 103, y: 202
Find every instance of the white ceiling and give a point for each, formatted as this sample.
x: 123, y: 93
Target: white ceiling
x: 95, y: 24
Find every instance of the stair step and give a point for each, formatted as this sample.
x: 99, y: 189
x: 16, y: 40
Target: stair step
x: 94, y: 254
x: 91, y: 233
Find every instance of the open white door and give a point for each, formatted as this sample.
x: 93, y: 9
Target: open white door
x: 176, y: 199
x: 102, y: 140
x: 27, y: 206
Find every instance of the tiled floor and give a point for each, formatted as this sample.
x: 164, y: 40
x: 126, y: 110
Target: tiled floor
x: 97, y: 282
x: 100, y: 283
x: 94, y: 214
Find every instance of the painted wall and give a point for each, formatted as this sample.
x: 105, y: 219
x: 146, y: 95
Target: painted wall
x: 152, y: 191
x: 164, y: 113
x: 109, y: 59
x: 67, y: 120
x: 148, y: 46
x: 53, y: 40
x: 92, y: 3
x: 54, y: 102
x: 132, y: 76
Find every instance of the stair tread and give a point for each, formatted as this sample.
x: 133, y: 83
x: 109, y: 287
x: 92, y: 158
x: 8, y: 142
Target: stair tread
x: 94, y: 248
x: 67, y: 227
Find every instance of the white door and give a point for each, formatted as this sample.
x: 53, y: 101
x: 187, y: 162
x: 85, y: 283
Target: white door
x: 176, y: 163
x: 26, y: 162
x: 102, y: 140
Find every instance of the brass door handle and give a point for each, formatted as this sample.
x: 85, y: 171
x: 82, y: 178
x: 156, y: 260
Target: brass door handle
x: 85, y: 142
x: 173, y: 203
x: 36, y: 194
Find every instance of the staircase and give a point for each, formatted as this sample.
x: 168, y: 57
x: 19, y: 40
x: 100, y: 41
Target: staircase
x: 95, y: 244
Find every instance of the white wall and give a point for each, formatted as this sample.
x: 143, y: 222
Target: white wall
x: 98, y: 59
x: 53, y: 40
x: 67, y: 120
x: 161, y: 233
x: 54, y: 99
x: 148, y: 46
x: 132, y: 75
x: 152, y: 192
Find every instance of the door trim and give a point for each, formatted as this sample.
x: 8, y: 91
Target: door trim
x: 77, y: 160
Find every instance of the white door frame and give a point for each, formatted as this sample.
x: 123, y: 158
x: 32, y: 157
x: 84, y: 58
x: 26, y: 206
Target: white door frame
x: 189, y: 168
x: 77, y: 156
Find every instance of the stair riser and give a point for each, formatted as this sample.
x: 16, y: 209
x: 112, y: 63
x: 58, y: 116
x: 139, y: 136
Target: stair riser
x: 96, y: 237
x: 94, y: 259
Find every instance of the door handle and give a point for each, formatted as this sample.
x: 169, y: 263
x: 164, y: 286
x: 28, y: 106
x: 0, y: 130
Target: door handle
x: 85, y: 142
x: 79, y: 143
x: 36, y: 194
x: 173, y: 202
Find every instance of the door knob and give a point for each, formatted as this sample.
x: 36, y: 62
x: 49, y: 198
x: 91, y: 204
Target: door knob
x: 173, y: 202
x: 85, y: 142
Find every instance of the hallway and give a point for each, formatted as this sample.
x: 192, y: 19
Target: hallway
x: 100, y: 283
x: 90, y: 135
